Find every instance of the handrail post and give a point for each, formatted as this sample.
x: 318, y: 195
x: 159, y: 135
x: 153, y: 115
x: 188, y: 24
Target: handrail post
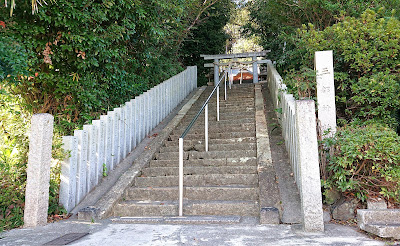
x: 218, y: 103
x: 241, y: 75
x: 226, y: 74
x: 206, y: 127
x: 230, y: 75
x: 180, y: 176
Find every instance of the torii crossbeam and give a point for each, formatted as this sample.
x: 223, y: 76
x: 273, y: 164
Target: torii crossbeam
x: 253, y: 55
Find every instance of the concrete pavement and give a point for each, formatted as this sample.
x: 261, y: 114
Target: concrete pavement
x: 246, y: 233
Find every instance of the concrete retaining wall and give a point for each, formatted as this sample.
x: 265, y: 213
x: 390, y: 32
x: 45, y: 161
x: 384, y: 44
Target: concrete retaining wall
x: 99, y: 147
x: 298, y: 122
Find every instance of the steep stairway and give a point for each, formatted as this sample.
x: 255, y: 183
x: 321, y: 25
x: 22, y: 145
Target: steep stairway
x: 220, y: 182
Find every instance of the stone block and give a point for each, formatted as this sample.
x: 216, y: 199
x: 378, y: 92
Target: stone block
x: 38, y: 170
x: 332, y: 196
x: 88, y: 213
x: 345, y: 210
x: 327, y: 216
x: 381, y: 222
x: 269, y: 215
x: 376, y: 204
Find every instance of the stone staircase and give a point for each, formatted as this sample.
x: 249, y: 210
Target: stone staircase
x: 220, y: 182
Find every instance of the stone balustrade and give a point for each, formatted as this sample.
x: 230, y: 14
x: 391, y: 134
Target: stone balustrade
x: 298, y: 122
x: 98, y: 148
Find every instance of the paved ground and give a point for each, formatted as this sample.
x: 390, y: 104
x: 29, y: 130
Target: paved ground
x: 106, y: 233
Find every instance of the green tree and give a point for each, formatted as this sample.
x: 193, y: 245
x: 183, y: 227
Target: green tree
x: 208, y: 37
x: 277, y: 20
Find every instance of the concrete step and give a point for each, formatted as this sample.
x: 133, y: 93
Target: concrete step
x: 211, y: 147
x: 189, y: 155
x: 213, y: 122
x: 216, y: 130
x: 198, y: 180
x: 250, y: 161
x: 226, y: 109
x: 193, y: 193
x: 382, y: 222
x: 214, y: 135
x: 190, y: 170
x: 146, y: 208
x: 225, y: 115
x: 239, y: 208
x: 212, y: 141
x: 199, y: 125
x: 170, y: 208
x: 180, y: 220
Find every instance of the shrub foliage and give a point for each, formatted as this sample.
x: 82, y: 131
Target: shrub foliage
x: 76, y: 60
x: 365, y: 162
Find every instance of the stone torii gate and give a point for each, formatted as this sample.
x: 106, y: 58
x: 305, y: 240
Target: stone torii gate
x: 218, y: 57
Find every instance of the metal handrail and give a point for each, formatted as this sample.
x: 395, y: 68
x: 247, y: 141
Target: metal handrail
x: 201, y: 109
x: 204, y: 107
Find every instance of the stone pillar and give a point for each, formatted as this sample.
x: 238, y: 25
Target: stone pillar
x: 134, y: 123
x: 139, y: 105
x: 309, y: 176
x: 91, y: 166
x: 108, y: 147
x: 128, y: 127
x: 216, y: 72
x: 81, y: 190
x: 68, y: 173
x: 255, y: 69
x: 325, y: 93
x: 38, y: 171
x: 101, y: 143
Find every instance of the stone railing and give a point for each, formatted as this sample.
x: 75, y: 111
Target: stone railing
x: 99, y: 147
x: 298, y: 122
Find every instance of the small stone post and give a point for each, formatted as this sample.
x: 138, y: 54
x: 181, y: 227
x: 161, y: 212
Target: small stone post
x: 38, y: 171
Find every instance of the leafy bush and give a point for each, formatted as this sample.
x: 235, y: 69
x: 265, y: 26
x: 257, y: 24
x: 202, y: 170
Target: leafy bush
x: 13, y: 152
x: 14, y: 127
x: 86, y: 58
x: 366, y: 53
x: 365, y: 162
